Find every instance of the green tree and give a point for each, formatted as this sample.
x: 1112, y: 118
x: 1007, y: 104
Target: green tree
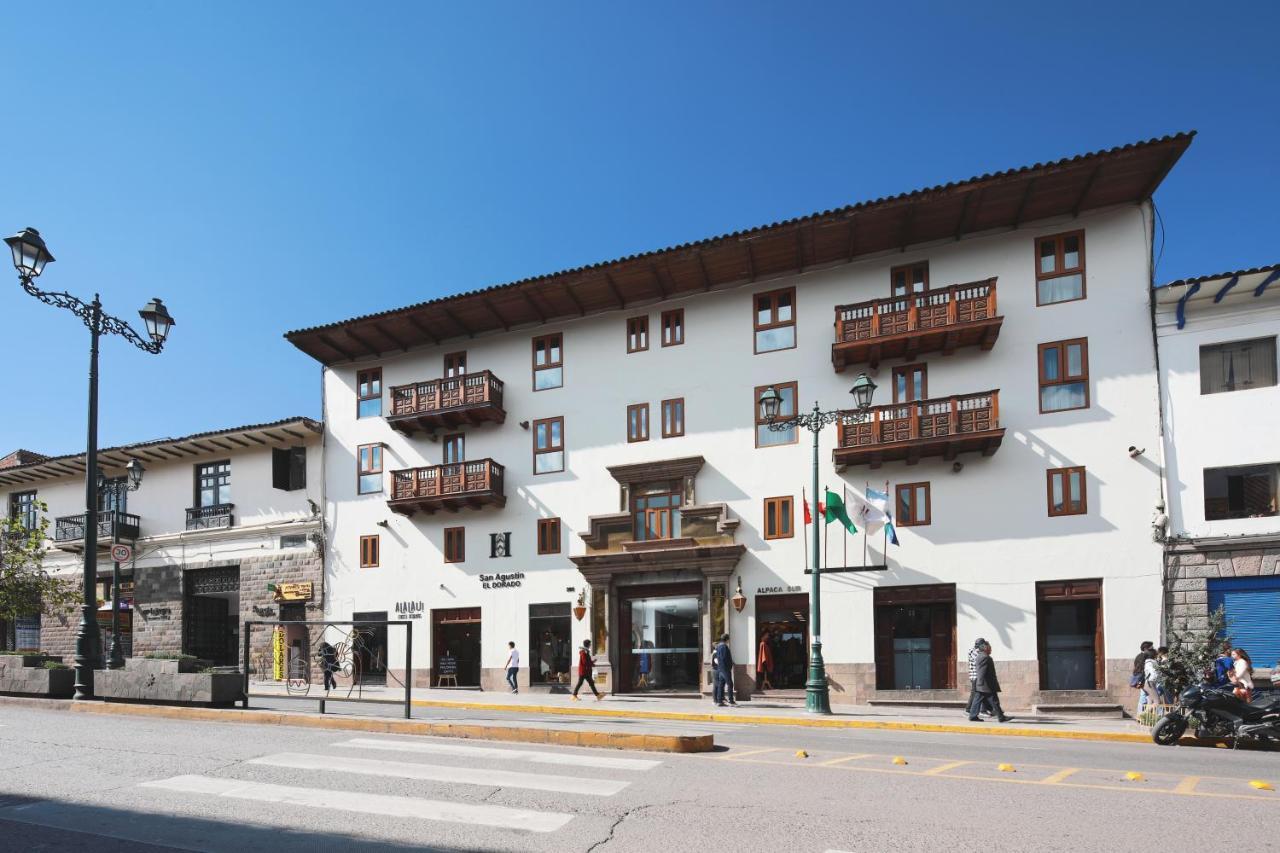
x: 1192, y: 652
x: 25, y: 586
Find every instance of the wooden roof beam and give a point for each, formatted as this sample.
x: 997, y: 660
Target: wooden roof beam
x: 908, y: 228
x: 582, y: 312
x: 613, y: 288
x: 542, y: 318
x: 236, y: 441
x: 657, y: 279
x: 404, y: 347
x: 1022, y: 205
x: 329, y: 342
x: 702, y: 267
x: 453, y: 318
x: 852, y: 249
x: 372, y: 350
x: 423, y: 330
x: 1150, y: 188
x: 751, y: 261
x: 1084, y: 193
x: 492, y: 309
x: 799, y: 249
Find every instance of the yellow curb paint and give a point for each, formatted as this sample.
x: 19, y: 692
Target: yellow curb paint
x: 842, y: 759
x: 1059, y: 776
x: 943, y: 768
x: 1187, y: 785
x: 1261, y: 785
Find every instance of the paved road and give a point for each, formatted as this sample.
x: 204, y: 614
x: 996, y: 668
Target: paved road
x: 86, y: 782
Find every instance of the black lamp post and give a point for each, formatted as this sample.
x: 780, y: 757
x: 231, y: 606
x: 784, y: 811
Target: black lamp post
x: 117, y: 489
x: 817, y: 695
x: 29, y: 258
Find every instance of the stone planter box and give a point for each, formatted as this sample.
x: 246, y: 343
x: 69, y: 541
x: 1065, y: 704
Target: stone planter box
x: 144, y: 680
x: 33, y: 659
x: 164, y: 666
x: 35, y: 680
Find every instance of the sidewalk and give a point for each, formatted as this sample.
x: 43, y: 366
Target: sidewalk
x: 657, y: 707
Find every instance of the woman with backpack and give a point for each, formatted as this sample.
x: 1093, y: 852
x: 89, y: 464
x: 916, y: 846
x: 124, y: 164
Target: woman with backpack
x: 585, y: 675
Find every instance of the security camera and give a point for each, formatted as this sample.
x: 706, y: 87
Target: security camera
x: 524, y: 425
x: 384, y: 523
x: 1135, y: 452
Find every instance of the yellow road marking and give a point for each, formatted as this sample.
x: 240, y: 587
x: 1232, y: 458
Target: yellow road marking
x: 842, y: 759
x: 943, y: 768
x: 1187, y: 785
x: 1059, y: 776
x: 734, y: 756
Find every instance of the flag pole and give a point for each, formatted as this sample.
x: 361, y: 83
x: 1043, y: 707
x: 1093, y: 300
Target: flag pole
x: 888, y: 522
x: 865, y: 532
x: 826, y: 540
x: 844, y: 497
x: 806, y: 517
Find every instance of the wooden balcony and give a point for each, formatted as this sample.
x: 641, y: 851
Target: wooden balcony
x: 946, y: 427
x: 471, y: 398
x: 962, y: 315
x: 68, y: 530
x: 451, y: 487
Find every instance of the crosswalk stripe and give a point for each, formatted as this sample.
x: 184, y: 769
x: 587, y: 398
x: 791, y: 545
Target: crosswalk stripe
x: 442, y: 773
x: 363, y: 803
x: 535, y: 756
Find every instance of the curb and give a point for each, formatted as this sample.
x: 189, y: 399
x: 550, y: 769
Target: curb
x: 799, y: 722
x: 509, y: 734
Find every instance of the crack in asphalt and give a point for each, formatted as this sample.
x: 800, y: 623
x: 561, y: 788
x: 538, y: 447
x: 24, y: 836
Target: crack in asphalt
x: 628, y: 813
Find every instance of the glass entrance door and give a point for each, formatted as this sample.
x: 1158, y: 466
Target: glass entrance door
x: 663, y: 644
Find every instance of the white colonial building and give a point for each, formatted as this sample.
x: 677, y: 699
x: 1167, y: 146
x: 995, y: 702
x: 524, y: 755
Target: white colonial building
x: 580, y: 454
x: 1221, y: 411
x: 217, y: 518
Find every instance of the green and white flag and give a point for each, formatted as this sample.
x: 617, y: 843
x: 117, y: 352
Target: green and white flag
x: 835, y: 511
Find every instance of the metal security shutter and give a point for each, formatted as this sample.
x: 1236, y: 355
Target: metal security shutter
x: 1253, y: 614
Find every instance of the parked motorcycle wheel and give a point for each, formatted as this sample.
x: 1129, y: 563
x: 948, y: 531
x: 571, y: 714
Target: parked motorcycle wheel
x: 1168, y: 730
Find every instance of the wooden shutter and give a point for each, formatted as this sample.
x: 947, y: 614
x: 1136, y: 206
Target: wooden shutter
x: 884, y: 648
x: 942, y: 636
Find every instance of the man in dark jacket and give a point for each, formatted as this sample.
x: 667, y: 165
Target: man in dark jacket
x: 987, y: 684
x: 722, y: 662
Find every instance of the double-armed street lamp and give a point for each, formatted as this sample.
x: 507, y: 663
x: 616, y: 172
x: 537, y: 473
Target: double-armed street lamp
x: 817, y: 698
x: 30, y: 255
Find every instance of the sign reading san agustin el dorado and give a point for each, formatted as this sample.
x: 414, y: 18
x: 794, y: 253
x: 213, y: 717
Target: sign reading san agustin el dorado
x: 508, y: 580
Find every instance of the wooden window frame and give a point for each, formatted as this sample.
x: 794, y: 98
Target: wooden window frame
x: 455, y: 544
x: 662, y: 413
x: 455, y: 364
x: 370, y: 551
x: 1059, y: 270
x: 30, y: 516
x: 1065, y: 474
x: 907, y: 369
x: 447, y: 441
x: 916, y: 520
x: 755, y: 408
x: 361, y: 472
x: 643, y: 410
x: 1219, y: 346
x: 758, y: 327
x: 638, y: 333
x: 548, y: 536
x: 673, y: 321
x: 200, y: 466
x: 558, y: 337
x: 368, y: 376
x: 909, y: 269
x: 780, y: 508
x: 1063, y: 379
x: 550, y: 448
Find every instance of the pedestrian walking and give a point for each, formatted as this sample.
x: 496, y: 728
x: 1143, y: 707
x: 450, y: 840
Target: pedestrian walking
x: 513, y: 666
x: 722, y: 664
x: 585, y: 675
x: 1223, y: 664
x: 764, y: 663
x: 977, y: 702
x: 328, y: 664
x: 1138, y: 678
x: 1151, y: 679
x: 988, y: 684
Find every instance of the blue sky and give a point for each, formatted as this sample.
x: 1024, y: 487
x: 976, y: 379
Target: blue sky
x: 270, y: 166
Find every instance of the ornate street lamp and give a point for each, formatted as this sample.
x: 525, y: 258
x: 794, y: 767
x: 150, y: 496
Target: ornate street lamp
x: 30, y: 255
x: 117, y: 489
x: 817, y: 699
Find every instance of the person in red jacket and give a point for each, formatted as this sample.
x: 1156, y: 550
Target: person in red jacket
x: 585, y: 667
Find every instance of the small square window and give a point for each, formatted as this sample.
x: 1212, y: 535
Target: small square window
x: 910, y: 279
x: 369, y: 393
x: 638, y: 422
x: 1064, y: 375
x: 638, y: 334
x: 1066, y: 491
x: 370, y: 548
x: 673, y: 418
x: 775, y: 320
x: 548, y: 362
x: 369, y: 470
x: 779, y: 517
x: 914, y: 508
x: 1060, y: 268
x: 548, y: 536
x: 673, y: 327
x: 455, y: 544
x: 548, y: 445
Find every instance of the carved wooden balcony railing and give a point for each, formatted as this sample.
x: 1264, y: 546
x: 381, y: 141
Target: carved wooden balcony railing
x: 451, y: 487
x: 210, y: 517
x: 68, y: 530
x: 471, y: 398
x: 945, y: 426
x: 961, y: 315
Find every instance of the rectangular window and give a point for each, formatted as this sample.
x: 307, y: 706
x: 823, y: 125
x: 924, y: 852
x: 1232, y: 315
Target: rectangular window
x: 638, y: 422
x: 370, y: 546
x: 1238, y: 366
x: 455, y: 364
x: 909, y: 279
x: 548, y: 445
x: 655, y: 509
x: 288, y: 468
x: 778, y: 518
x: 1244, y: 491
x: 22, y: 506
x: 775, y: 319
x: 1066, y: 491
x: 910, y: 383
x: 369, y: 393
x: 1060, y: 268
x: 673, y: 418
x: 638, y: 334
x: 548, y: 536
x: 1064, y: 375
x: 369, y: 472
x: 548, y: 364
x: 914, y: 508
x: 673, y: 327
x: 454, y: 447
x: 213, y: 484
x: 455, y: 544
x: 766, y: 437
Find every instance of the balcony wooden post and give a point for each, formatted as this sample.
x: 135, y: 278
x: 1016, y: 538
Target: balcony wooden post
x: 953, y: 422
x: 991, y: 298
x: 953, y: 295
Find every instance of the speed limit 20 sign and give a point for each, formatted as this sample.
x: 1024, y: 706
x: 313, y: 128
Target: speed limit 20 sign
x: 121, y: 553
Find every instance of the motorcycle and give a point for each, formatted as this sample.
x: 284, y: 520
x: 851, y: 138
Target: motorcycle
x: 1218, y: 713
